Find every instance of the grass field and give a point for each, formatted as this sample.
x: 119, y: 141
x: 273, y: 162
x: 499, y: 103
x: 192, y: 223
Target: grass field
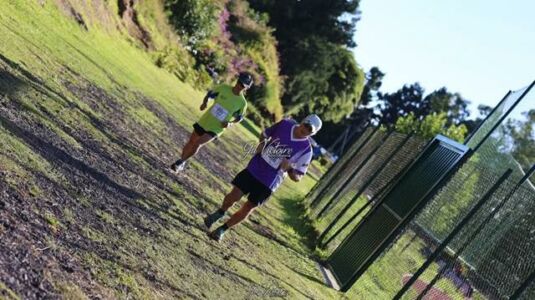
x: 88, y: 125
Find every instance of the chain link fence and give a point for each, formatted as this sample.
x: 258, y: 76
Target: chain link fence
x: 376, y: 160
x: 339, y: 168
x: 360, y: 194
x: 475, y: 239
x: 493, y: 251
x: 324, y: 198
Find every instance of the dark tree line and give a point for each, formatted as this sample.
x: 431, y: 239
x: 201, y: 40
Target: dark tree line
x: 314, y: 37
x: 405, y: 109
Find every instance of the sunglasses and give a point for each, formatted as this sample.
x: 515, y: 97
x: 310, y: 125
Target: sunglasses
x: 243, y: 85
x: 308, y: 127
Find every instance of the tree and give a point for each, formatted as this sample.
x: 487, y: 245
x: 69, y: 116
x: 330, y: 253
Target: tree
x: 326, y: 80
x: 452, y: 103
x: 297, y: 20
x: 374, y: 80
x: 313, y: 37
x: 447, y: 107
x: 408, y: 99
x: 364, y: 113
x: 193, y: 19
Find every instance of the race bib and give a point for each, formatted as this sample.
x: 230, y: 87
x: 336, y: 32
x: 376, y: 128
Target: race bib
x: 273, y: 161
x: 219, y: 112
x: 274, y: 153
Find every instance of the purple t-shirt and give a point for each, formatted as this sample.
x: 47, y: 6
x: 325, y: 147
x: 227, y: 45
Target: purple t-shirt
x: 281, y: 144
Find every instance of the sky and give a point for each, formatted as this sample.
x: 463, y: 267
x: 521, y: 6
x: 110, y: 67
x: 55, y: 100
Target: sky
x: 480, y: 49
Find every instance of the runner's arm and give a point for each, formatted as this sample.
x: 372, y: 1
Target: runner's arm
x: 300, y: 167
x: 238, y: 117
x: 209, y: 95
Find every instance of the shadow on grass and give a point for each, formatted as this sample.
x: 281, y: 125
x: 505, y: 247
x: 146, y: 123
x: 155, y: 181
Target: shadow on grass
x: 54, y: 154
x: 10, y: 83
x: 294, y: 216
x: 311, y: 278
x: 89, y: 171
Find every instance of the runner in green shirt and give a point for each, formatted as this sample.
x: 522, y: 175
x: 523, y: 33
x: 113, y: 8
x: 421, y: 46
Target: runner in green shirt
x: 228, y: 107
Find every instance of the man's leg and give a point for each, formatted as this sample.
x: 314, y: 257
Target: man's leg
x: 231, y: 198
x: 242, y: 214
x: 236, y: 218
x: 193, y: 145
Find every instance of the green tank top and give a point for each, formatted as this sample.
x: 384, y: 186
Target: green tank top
x: 225, y: 107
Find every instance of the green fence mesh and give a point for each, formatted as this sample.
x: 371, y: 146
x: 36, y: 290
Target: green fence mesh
x: 494, y: 252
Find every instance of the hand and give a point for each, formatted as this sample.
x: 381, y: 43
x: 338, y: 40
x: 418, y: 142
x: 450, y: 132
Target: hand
x: 285, y: 165
x: 203, y: 106
x: 294, y: 176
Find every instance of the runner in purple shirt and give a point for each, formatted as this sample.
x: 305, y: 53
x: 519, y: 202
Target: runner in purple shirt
x: 284, y: 149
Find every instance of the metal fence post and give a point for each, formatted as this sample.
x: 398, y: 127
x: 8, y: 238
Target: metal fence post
x: 316, y: 200
x: 477, y: 231
x: 363, y: 188
x: 452, y: 234
x: 359, y: 168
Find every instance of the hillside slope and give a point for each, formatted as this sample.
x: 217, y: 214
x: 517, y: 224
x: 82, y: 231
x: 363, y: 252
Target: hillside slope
x: 88, y: 125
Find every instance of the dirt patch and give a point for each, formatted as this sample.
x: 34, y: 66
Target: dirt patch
x: 70, y: 12
x: 93, y: 181
x: 32, y: 256
x: 129, y: 15
x: 94, y: 177
x: 134, y: 138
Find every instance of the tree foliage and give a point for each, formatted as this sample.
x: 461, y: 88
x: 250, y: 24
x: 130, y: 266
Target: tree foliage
x: 438, y: 112
x: 374, y: 80
x: 452, y: 104
x: 430, y: 126
x: 193, y: 19
x: 360, y: 116
x: 408, y: 99
x: 313, y: 35
x: 333, y: 20
x: 327, y: 82
x: 227, y: 37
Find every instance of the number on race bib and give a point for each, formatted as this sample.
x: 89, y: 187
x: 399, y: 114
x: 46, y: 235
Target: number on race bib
x: 272, y: 161
x: 219, y: 112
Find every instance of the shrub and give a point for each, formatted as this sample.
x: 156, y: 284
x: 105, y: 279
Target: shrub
x: 226, y: 37
x: 194, y: 19
x: 179, y: 62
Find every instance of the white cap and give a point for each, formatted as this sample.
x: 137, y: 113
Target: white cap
x: 314, y: 121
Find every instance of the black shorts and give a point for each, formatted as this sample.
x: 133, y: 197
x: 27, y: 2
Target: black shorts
x: 200, y: 131
x: 248, y: 184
